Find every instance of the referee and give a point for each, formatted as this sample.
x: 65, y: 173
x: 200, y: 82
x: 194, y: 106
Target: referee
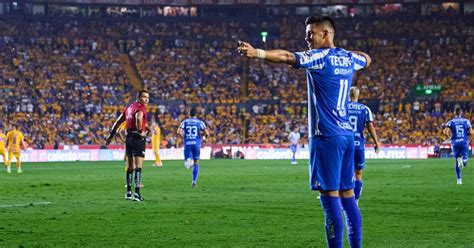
x: 135, y: 117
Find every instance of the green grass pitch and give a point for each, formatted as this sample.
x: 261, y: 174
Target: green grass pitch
x: 405, y: 203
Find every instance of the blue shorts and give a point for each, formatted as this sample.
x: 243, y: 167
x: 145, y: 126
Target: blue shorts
x: 460, y: 150
x: 359, y: 159
x: 192, y: 151
x: 293, y: 148
x: 331, y: 163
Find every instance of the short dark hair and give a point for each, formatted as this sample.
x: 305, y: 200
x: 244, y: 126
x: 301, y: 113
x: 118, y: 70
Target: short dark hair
x: 457, y: 111
x: 318, y: 20
x: 193, y: 112
x: 139, y: 94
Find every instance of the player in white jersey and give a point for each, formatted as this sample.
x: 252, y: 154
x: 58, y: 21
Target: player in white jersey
x: 294, y: 138
x: 329, y: 71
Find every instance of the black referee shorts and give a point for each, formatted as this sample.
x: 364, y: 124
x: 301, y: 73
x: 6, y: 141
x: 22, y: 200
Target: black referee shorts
x: 135, y: 145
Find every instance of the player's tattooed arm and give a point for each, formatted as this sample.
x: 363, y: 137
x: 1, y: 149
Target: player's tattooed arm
x: 373, y: 134
x: 276, y: 56
x: 117, y: 123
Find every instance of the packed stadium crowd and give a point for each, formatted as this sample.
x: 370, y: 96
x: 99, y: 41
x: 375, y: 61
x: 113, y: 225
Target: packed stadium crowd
x: 63, y: 82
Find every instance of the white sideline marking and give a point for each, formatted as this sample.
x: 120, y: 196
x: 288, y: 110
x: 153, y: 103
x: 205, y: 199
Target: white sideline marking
x: 25, y: 204
x: 406, y: 166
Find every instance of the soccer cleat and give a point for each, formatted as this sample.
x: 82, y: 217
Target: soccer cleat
x: 19, y: 171
x: 459, y: 181
x: 157, y: 164
x: 460, y: 163
x: 188, y: 163
x: 137, y: 197
x: 128, y: 195
x: 294, y: 162
x: 194, y: 185
x: 9, y: 170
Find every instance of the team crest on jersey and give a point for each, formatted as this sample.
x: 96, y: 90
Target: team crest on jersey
x: 342, y: 112
x: 344, y: 125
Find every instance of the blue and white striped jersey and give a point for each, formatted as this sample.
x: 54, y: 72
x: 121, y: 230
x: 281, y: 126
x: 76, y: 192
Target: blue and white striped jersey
x: 359, y: 115
x: 329, y: 74
x: 460, y: 129
x: 192, y: 131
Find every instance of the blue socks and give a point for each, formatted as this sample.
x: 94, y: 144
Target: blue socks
x: 353, y: 221
x: 358, y: 189
x: 195, y: 173
x: 334, y: 224
x: 458, y: 171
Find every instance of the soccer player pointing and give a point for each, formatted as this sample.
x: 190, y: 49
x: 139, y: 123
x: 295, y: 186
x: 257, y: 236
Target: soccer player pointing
x: 135, y: 117
x: 329, y: 75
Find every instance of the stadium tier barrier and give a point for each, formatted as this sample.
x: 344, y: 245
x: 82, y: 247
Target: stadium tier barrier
x: 252, y: 151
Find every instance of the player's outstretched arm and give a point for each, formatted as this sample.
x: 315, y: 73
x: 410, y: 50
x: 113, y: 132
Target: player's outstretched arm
x: 276, y: 56
x: 367, y: 57
x: 117, y: 123
x: 373, y: 134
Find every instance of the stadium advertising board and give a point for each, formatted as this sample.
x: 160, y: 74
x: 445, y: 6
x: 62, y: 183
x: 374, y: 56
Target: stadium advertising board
x: 303, y: 153
x: 253, y: 151
x: 100, y: 155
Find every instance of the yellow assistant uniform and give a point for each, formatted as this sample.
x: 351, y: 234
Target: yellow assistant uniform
x: 3, y: 152
x: 14, y: 140
x: 155, y: 144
